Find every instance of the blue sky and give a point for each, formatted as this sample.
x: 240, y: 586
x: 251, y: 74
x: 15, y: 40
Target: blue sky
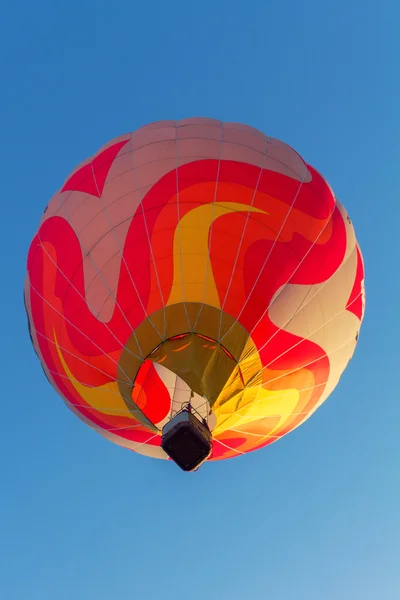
x: 315, y: 516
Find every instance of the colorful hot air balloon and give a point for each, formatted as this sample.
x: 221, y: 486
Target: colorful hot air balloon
x: 197, y: 266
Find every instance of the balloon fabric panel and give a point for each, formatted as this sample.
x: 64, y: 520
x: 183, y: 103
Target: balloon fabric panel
x: 195, y: 258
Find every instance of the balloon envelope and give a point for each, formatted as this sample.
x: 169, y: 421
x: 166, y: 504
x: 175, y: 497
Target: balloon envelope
x: 195, y: 258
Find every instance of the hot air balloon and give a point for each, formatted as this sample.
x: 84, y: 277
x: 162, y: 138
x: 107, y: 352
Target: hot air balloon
x: 194, y: 290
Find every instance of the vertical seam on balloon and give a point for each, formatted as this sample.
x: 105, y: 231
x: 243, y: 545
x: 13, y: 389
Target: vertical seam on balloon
x: 295, y: 270
x: 314, y: 408
x: 209, y: 241
x: 127, y: 428
x: 121, y: 413
x: 93, y: 387
x: 261, y: 435
x: 270, y: 252
x: 64, y: 196
x: 147, y: 234
x: 254, y: 402
x: 307, y: 414
x: 137, y: 444
x: 101, y: 429
x: 179, y: 226
x: 67, y: 193
x: 85, y: 300
x: 74, y: 356
x: 123, y: 260
x: 308, y: 338
x: 88, y: 255
x: 303, y: 304
x: 127, y: 443
x: 242, y: 237
x: 77, y: 329
x: 288, y: 280
x: 229, y: 447
x: 324, y: 355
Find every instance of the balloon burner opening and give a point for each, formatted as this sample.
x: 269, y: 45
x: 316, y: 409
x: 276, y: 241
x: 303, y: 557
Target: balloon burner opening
x: 187, y: 440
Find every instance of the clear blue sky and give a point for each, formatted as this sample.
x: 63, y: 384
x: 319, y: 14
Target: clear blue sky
x: 315, y: 516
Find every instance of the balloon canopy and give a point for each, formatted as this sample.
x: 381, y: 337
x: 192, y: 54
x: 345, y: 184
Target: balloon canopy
x: 195, y: 261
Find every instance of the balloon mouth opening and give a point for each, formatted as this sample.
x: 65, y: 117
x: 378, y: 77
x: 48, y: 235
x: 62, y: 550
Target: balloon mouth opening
x: 189, y: 365
x: 203, y: 363
x: 205, y: 354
